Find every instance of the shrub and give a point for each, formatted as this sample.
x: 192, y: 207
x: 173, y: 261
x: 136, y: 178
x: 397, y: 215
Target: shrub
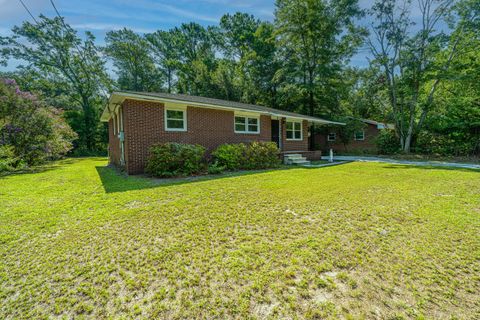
x: 175, y: 159
x: 443, y: 144
x: 215, y: 168
x: 387, y: 142
x: 261, y: 155
x: 35, y: 131
x: 255, y: 155
x: 8, y: 160
x: 230, y: 155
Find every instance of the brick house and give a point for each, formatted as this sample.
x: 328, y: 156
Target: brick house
x: 363, y: 141
x: 137, y: 120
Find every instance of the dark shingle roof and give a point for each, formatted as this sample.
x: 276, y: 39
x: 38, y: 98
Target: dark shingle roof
x: 222, y: 103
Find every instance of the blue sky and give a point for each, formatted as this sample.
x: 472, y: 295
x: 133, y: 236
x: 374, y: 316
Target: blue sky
x: 101, y: 16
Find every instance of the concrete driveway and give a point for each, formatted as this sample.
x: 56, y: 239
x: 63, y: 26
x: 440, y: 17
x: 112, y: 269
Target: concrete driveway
x: 415, y: 163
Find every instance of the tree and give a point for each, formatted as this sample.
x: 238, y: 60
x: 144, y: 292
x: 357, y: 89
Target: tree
x: 263, y: 65
x: 453, y: 126
x: 317, y: 37
x: 132, y: 57
x: 33, y: 131
x: 237, y: 34
x: 225, y: 78
x: 412, y: 75
x: 53, y: 50
x: 165, y: 54
x: 365, y: 95
x: 249, y: 46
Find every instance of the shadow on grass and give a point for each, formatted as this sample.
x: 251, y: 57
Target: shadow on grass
x: 429, y: 167
x: 49, y: 166
x: 114, y: 181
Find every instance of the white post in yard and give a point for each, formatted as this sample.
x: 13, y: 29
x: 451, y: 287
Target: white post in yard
x: 331, y: 156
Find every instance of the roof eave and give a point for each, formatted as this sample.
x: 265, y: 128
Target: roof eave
x: 125, y: 95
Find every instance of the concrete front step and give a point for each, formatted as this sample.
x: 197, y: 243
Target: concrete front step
x: 295, y: 159
x: 300, y: 163
x: 293, y: 155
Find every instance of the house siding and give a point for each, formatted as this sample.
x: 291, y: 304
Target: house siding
x: 113, y: 145
x: 295, y: 145
x: 366, y: 146
x: 144, y: 127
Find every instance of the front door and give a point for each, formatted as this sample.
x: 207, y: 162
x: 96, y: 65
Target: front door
x: 276, y: 132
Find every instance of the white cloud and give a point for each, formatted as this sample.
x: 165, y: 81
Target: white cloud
x: 108, y: 27
x: 163, y: 8
x: 187, y: 13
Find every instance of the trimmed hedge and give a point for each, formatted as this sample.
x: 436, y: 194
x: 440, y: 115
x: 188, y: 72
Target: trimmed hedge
x: 176, y: 159
x: 255, y: 155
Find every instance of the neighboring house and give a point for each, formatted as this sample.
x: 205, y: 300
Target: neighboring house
x: 362, y: 141
x: 136, y: 121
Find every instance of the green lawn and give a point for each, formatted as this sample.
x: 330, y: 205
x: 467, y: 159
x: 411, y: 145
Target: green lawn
x: 360, y: 240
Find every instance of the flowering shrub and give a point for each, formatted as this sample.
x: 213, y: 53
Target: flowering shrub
x: 31, y: 131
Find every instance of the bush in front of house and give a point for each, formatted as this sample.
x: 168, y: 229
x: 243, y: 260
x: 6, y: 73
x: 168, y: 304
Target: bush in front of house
x: 230, y: 156
x: 176, y: 159
x: 255, y: 155
x: 215, y: 168
x: 261, y: 155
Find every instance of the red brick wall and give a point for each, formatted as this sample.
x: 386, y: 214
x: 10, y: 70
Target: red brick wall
x: 294, y: 145
x: 144, y: 126
x: 113, y: 145
x: 366, y: 146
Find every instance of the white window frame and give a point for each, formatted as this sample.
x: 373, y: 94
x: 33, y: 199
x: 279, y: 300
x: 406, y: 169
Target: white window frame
x: 246, y: 118
x: 301, y: 130
x: 355, y: 135
x: 334, y: 137
x: 184, y: 110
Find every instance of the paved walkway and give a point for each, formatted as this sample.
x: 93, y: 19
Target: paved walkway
x: 415, y: 163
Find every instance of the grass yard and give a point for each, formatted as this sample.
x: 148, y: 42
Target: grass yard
x: 354, y: 241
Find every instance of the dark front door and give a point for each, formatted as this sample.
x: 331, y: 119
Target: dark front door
x: 276, y: 132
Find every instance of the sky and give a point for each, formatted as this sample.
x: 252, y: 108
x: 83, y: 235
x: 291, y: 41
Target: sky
x: 142, y: 16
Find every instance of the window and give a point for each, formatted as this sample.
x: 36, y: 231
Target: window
x: 359, y: 135
x: 294, y: 130
x: 246, y: 125
x: 175, y: 120
x: 332, y: 136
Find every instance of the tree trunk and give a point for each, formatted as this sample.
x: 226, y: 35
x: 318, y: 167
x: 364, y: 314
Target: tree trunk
x: 89, y: 124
